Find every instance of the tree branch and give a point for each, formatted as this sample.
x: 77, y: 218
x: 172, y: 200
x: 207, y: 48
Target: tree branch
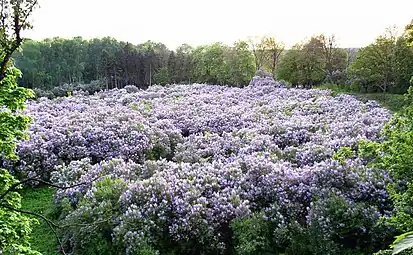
x: 29, y: 11
x: 50, y: 223
x: 30, y: 213
x: 3, y: 17
x: 14, y: 186
x: 53, y: 226
x: 18, y: 25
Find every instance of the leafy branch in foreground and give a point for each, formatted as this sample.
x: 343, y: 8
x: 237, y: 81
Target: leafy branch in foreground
x: 10, y: 203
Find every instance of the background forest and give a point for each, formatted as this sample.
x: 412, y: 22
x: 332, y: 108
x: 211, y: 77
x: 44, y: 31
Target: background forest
x: 383, y: 66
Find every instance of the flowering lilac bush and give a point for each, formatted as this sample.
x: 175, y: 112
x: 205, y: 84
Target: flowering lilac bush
x: 262, y: 80
x: 172, y: 168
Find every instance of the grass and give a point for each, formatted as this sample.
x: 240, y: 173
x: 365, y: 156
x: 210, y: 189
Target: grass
x: 393, y: 102
x: 40, y: 200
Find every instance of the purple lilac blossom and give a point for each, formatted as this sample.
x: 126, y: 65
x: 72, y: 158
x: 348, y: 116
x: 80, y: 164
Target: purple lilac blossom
x: 195, y: 157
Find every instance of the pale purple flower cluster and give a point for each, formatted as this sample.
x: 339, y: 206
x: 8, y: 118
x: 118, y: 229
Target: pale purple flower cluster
x: 96, y: 127
x: 265, y: 81
x: 194, y: 157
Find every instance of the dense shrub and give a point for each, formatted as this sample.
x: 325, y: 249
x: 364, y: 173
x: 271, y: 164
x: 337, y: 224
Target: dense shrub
x: 65, y: 90
x: 187, y: 169
x: 265, y: 81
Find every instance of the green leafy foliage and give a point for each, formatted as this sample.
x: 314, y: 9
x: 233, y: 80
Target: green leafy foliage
x: 383, y: 66
x: 402, y: 243
x: 336, y: 226
x: 395, y: 155
x: 314, y: 62
x: 241, y: 64
x: 288, y: 68
x: 14, y: 227
x: 54, y: 62
x: 390, y: 101
x: 251, y: 235
x: 409, y: 33
x: 342, y: 154
x: 90, y: 227
x: 161, y: 77
x: 12, y: 124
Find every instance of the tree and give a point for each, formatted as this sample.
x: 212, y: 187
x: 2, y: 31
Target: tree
x: 172, y: 70
x: 210, y: 63
x: 161, y: 76
x: 303, y: 64
x: 184, y: 63
x: 288, y: 67
x: 334, y: 57
x: 403, y: 66
x: 409, y: 39
x: 13, y: 20
x: 15, y: 226
x: 312, y: 62
x: 272, y: 50
x: 258, y: 51
x: 371, y: 68
x: 385, y: 65
x: 14, y: 237
x: 409, y: 33
x: 241, y: 64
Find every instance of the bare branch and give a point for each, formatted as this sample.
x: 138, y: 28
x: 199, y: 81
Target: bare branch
x: 30, y: 213
x: 63, y: 187
x: 14, y: 186
x: 29, y: 12
x: 50, y: 223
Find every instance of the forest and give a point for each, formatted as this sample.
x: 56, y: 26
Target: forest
x: 383, y: 66
x: 110, y: 148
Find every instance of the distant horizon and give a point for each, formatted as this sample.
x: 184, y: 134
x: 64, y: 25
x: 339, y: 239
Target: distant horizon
x: 355, y: 23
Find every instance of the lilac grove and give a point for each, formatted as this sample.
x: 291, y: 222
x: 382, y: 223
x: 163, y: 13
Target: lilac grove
x: 186, y: 160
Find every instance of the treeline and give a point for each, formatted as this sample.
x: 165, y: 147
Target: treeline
x: 53, y: 62
x: 383, y: 66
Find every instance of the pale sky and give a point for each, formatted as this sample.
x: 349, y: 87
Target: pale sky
x: 355, y: 23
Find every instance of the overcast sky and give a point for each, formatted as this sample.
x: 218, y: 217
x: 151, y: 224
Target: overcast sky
x: 354, y: 22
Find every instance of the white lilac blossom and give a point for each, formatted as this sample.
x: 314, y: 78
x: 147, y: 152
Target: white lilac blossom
x: 194, y: 157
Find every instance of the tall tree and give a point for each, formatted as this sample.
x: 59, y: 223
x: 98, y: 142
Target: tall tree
x: 257, y: 49
x: 312, y: 62
x: 184, y: 63
x: 272, y: 50
x: 289, y: 66
x: 335, y: 59
x: 374, y: 67
x: 172, y: 68
x: 409, y: 33
x: 13, y: 20
x: 241, y: 64
x: 15, y: 226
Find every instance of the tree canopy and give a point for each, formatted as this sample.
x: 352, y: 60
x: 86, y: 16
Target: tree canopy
x: 15, y: 226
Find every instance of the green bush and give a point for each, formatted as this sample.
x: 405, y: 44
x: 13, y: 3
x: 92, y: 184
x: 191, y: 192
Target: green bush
x: 251, y: 235
x: 337, y: 226
x: 395, y: 155
x: 89, y: 227
x: 65, y: 90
